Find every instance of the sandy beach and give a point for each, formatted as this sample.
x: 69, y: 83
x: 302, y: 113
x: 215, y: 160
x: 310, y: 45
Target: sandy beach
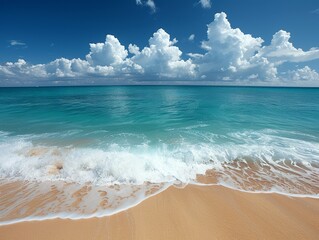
x: 159, y: 120
x: 194, y: 212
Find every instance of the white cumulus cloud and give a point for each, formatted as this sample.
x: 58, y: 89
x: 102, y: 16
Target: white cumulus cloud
x: 22, y: 68
x: 111, y: 52
x: 234, y: 55
x: 282, y: 50
x: 229, y: 55
x: 162, y: 58
x: 303, y: 74
x: 63, y: 67
x: 133, y: 49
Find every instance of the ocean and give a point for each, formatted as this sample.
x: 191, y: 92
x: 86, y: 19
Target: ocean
x: 131, y: 140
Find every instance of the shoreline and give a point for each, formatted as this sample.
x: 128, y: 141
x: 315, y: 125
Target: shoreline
x: 154, y: 189
x: 192, y: 212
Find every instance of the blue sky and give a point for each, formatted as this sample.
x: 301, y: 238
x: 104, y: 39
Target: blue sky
x: 51, y: 39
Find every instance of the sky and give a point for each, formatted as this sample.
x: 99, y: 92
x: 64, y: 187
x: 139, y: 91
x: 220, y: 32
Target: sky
x: 211, y: 42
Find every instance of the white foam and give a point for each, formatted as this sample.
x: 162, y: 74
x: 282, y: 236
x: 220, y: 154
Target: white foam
x: 119, y: 198
x: 240, y: 159
x: 116, y: 164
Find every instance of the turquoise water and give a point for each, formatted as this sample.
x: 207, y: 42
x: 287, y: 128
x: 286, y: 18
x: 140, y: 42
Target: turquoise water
x: 151, y: 111
x: 133, y: 134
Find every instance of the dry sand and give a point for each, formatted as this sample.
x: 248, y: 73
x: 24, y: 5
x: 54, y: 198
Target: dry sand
x: 194, y: 212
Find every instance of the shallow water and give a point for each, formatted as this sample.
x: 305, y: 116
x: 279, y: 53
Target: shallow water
x: 254, y: 139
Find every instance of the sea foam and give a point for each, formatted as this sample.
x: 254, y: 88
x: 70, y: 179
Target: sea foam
x: 80, y: 182
x: 182, y: 161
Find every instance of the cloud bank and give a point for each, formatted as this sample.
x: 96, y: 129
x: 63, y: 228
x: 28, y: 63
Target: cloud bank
x: 230, y: 57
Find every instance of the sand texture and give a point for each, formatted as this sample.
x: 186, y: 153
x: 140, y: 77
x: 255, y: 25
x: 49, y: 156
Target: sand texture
x: 195, y: 212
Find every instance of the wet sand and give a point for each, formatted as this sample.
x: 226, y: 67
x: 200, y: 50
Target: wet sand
x: 195, y: 212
